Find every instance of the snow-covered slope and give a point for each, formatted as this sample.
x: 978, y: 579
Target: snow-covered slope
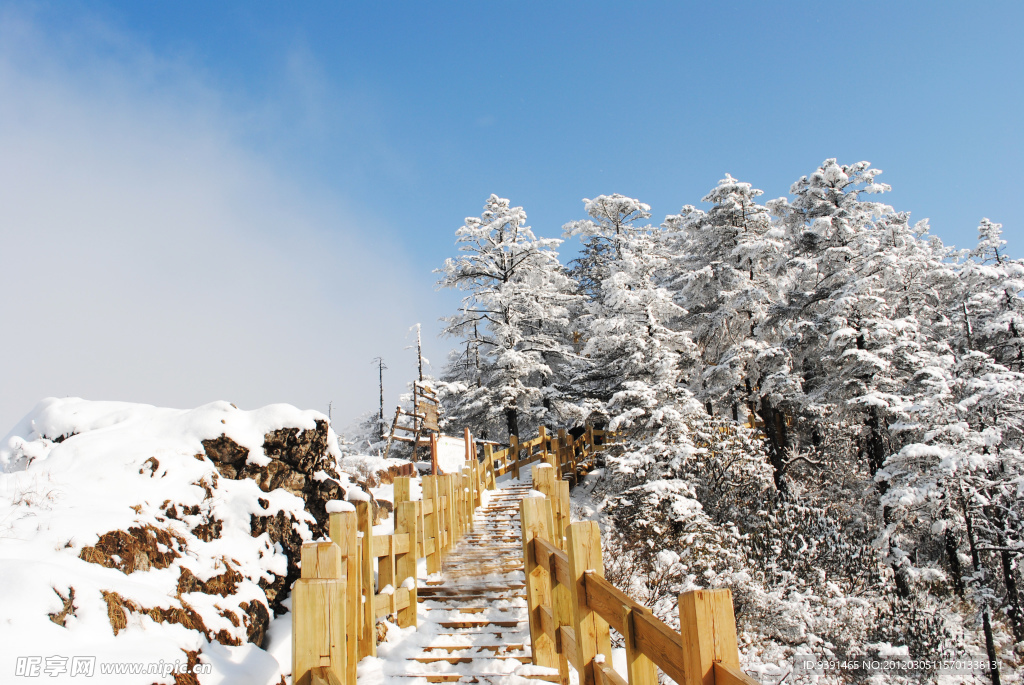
x: 132, y: 533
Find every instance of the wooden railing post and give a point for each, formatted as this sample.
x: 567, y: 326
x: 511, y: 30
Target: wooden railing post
x: 432, y: 523
x: 564, y: 517
x: 591, y: 631
x: 368, y: 643
x: 469, y: 497
x: 449, y: 512
x: 489, y: 466
x: 639, y: 667
x: 343, y: 531
x: 563, y: 449
x: 708, y: 629
x: 406, y: 517
x: 535, y: 514
x: 318, y: 623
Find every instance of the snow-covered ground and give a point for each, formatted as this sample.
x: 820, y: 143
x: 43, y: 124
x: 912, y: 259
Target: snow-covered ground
x: 121, y: 543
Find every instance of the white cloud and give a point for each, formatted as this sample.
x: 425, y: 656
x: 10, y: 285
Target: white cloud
x: 147, y: 255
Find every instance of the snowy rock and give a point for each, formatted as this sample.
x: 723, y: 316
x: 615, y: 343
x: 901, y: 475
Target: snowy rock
x: 149, y: 533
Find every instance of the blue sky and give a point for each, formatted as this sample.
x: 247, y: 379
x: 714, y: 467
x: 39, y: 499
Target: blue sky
x: 339, y: 145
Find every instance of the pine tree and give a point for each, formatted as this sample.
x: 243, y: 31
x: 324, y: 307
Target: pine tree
x: 510, y: 322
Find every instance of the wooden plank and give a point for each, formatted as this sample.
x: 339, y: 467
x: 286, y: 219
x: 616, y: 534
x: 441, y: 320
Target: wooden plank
x: 318, y: 627
x: 400, y: 541
x: 561, y: 562
x: 381, y: 606
x: 639, y: 667
x: 321, y: 560
x: 402, y: 596
x: 342, y: 528
x: 547, y: 623
x: 608, y: 601
x: 592, y: 636
x: 535, y: 514
x: 382, y: 546
x: 567, y: 640
x: 662, y: 644
x: 726, y: 674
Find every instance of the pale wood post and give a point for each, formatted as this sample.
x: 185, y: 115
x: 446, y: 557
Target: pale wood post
x: 406, y: 516
x: 403, y: 493
x: 433, y: 454
x: 708, y: 629
x: 592, y: 634
x: 343, y: 529
x: 368, y: 645
x: 321, y: 560
x: 432, y: 522
x: 544, y: 481
x: 563, y: 450
x: 535, y: 514
x: 513, y: 453
x: 470, y: 496
x: 318, y: 628
x: 564, y: 513
x: 489, y: 466
x: 450, y: 512
x: 639, y: 667
x: 542, y: 433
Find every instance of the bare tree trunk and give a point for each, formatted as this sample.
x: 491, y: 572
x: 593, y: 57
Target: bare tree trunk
x: 775, y: 431
x: 512, y: 419
x: 952, y: 555
x: 986, y: 618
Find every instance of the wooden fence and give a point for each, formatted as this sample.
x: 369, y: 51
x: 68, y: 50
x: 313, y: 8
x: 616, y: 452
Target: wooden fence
x: 572, y: 607
x: 571, y: 455
x: 338, y: 600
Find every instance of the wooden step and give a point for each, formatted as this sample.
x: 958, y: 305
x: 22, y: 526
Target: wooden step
x: 479, y: 624
x: 474, y: 677
x: 526, y: 659
x: 512, y: 646
x: 466, y: 598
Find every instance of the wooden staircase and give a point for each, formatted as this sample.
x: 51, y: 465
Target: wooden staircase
x: 473, y: 625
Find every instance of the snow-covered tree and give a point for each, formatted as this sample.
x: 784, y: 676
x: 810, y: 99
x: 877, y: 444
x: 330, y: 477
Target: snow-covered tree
x: 511, y: 322
x: 728, y: 269
x: 631, y: 351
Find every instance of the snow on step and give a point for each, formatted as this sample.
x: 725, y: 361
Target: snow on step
x: 473, y: 623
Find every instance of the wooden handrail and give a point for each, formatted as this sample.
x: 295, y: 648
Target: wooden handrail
x: 572, y: 607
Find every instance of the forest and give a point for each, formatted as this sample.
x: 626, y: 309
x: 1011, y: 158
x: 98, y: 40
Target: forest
x: 818, y: 405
